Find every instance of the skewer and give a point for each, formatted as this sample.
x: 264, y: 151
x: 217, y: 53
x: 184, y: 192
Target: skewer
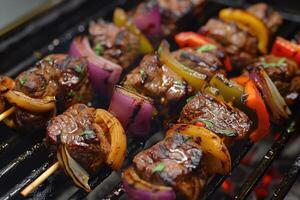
x: 7, y: 113
x: 32, y: 186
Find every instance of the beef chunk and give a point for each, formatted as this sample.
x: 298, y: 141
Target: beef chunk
x: 173, y: 162
x: 219, y: 117
x: 116, y: 44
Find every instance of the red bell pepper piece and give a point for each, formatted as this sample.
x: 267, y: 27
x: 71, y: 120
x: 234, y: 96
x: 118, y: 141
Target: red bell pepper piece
x: 192, y: 39
x: 285, y: 48
x: 255, y: 102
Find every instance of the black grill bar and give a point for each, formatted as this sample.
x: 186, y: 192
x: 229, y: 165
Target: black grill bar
x: 19, y: 160
x: 287, y: 181
x: 14, y: 192
x: 265, y: 162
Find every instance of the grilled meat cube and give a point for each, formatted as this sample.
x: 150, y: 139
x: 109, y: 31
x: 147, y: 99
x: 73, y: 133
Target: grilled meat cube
x: 57, y: 75
x: 270, y: 17
x: 176, y: 162
x: 153, y: 79
x: 172, y: 11
x: 238, y: 44
x: 83, y: 138
x: 116, y: 44
x: 219, y: 117
x: 207, y: 63
x: 284, y: 73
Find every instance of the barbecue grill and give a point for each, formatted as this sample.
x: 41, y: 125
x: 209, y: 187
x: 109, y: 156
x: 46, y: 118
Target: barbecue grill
x: 24, y: 158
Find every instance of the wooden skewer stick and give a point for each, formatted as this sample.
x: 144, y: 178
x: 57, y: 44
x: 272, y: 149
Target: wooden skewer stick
x: 32, y: 186
x: 7, y: 113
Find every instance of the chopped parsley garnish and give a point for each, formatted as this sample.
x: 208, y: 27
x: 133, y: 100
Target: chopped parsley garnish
x: 88, y: 134
x: 71, y: 93
x: 208, y: 123
x: 158, y: 168
x: 279, y: 63
x: 190, y: 98
x: 49, y: 59
x: 23, y: 80
x: 187, y: 138
x: 178, y: 82
x: 79, y: 98
x: 79, y: 68
x: 207, y: 47
x: 143, y: 74
x: 227, y: 132
x: 98, y: 49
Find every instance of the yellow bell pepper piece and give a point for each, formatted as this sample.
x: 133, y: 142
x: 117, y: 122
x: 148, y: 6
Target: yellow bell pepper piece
x: 246, y: 20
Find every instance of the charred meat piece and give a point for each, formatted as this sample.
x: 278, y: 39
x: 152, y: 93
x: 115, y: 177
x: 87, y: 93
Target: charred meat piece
x: 239, y: 44
x: 216, y: 115
x: 285, y: 74
x: 173, y: 162
x: 155, y: 80
x: 172, y: 11
x: 116, y: 44
x: 270, y: 17
x: 57, y: 75
x: 76, y: 129
x: 207, y: 63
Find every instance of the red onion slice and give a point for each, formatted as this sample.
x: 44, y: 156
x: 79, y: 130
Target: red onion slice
x: 138, y: 189
x: 134, y: 111
x: 103, y: 73
x: 271, y: 95
x: 148, y: 19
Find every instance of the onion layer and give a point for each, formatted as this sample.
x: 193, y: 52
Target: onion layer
x: 271, y: 95
x: 138, y: 189
x: 103, y: 73
x: 217, y: 154
x: 116, y: 137
x: 27, y: 103
x: 133, y: 110
x: 149, y: 21
x: 79, y: 176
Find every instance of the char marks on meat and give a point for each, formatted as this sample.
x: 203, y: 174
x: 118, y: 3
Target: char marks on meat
x: 57, y: 75
x: 285, y: 74
x: 238, y: 44
x: 175, y: 162
x: 116, y: 44
x: 219, y: 117
x: 76, y: 129
x: 155, y: 80
x: 207, y: 63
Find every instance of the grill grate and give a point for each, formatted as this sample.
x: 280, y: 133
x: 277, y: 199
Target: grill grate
x: 23, y: 159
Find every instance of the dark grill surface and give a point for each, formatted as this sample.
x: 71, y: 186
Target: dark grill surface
x: 24, y: 157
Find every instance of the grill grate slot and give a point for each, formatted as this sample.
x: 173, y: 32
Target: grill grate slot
x: 287, y: 181
x: 265, y: 162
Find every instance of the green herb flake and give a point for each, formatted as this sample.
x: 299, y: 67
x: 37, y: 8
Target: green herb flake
x: 279, y: 63
x: 23, y: 80
x: 207, y: 47
x: 88, y: 134
x: 79, y: 98
x: 178, y: 82
x: 187, y: 139
x: 71, y: 93
x: 158, y: 168
x: 227, y: 132
x: 190, y: 98
x: 143, y: 74
x: 208, y: 123
x: 98, y: 49
x: 49, y: 59
x: 79, y: 68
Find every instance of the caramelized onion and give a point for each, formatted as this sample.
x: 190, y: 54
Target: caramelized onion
x: 270, y: 93
x: 72, y: 168
x: 27, y: 103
